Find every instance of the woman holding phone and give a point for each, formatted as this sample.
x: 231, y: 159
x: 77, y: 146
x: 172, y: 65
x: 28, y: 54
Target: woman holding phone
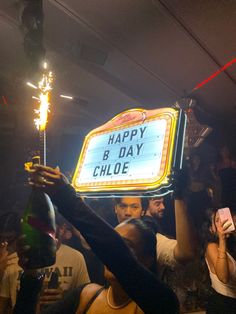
x: 220, y: 257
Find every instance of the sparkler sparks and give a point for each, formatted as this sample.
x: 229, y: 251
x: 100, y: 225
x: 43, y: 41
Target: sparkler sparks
x: 67, y: 97
x: 44, y: 87
x: 31, y: 85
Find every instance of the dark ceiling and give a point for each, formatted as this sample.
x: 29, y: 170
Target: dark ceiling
x: 114, y: 55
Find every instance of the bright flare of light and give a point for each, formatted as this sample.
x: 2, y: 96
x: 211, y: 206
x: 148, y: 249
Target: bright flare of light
x: 42, y: 112
x: 31, y: 85
x: 67, y: 97
x: 45, y: 87
x: 36, y: 98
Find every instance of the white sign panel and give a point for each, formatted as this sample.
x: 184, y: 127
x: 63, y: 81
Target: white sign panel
x: 128, y: 154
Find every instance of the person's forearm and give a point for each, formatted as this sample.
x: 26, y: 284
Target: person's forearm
x: 185, y: 234
x: 27, y: 296
x: 26, y: 303
x: 93, y: 228
x: 221, y: 264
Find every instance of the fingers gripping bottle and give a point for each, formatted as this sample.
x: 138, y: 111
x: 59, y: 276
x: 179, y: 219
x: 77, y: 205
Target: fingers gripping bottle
x: 39, y: 228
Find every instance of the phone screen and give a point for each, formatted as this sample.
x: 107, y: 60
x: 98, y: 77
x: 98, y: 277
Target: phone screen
x: 224, y: 213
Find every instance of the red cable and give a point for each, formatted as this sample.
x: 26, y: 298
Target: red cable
x: 228, y: 64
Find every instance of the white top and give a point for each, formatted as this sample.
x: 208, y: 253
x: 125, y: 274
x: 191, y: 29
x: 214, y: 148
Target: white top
x: 70, y: 266
x: 226, y: 289
x: 165, y: 253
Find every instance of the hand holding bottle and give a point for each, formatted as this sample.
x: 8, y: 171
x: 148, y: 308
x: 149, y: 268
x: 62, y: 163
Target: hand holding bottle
x: 47, y: 178
x: 38, y: 223
x: 50, y: 296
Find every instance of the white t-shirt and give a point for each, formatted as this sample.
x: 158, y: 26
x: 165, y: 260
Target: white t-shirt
x: 165, y: 253
x: 70, y: 266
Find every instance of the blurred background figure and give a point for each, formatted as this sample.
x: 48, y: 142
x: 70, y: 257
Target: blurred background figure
x: 70, y: 269
x: 214, y: 188
x: 199, y: 199
x: 9, y: 232
x: 70, y: 236
x: 227, y: 174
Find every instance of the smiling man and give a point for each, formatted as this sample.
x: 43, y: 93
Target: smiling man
x: 156, y: 208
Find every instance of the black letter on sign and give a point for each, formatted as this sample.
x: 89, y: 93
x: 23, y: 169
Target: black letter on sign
x: 106, y: 154
x: 125, y: 167
x: 122, y: 152
x: 111, y: 139
x: 95, y: 174
x: 117, y: 168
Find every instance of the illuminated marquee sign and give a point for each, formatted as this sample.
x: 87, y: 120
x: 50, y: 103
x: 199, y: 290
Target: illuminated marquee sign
x: 132, y: 153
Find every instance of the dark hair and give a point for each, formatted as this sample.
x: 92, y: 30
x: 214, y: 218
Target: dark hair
x: 144, y: 201
x: 10, y: 227
x: 10, y: 222
x: 209, y: 237
x: 148, y: 237
x: 205, y: 235
x: 151, y: 223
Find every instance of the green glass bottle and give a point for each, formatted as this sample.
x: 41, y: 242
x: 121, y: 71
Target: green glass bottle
x: 39, y: 228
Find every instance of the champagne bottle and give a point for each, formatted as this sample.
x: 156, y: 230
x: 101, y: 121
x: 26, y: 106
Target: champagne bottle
x: 39, y: 228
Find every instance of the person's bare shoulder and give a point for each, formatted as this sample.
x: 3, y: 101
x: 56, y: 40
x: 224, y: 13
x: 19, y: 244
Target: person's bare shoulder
x: 211, y: 255
x: 87, y: 293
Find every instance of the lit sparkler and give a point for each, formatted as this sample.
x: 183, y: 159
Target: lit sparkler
x: 44, y: 87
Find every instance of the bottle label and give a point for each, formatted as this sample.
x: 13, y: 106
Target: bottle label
x: 41, y: 226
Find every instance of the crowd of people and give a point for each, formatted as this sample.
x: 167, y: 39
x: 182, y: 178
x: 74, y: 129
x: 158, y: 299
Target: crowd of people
x: 130, y: 254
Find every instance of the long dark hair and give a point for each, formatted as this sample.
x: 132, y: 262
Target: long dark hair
x: 147, y: 229
x: 10, y: 222
x: 209, y: 237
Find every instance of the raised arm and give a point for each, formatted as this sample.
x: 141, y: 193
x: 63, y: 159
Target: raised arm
x: 186, y: 247
x: 140, y: 284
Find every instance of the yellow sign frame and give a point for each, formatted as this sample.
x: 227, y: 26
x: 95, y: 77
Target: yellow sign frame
x: 126, y: 119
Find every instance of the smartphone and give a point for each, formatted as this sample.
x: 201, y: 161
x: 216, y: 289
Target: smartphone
x: 54, y: 281
x: 224, y: 213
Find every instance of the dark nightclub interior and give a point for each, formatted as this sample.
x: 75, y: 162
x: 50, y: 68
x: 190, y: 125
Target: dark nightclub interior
x: 107, y: 57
